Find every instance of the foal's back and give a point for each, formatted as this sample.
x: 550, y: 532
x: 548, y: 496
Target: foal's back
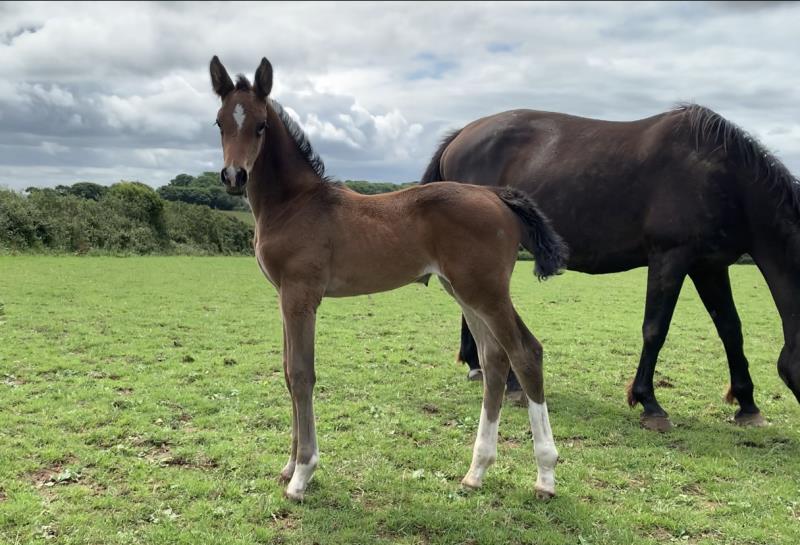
x: 381, y: 242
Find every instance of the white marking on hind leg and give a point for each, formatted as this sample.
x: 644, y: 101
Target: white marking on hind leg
x: 544, y: 448
x: 485, y: 451
x: 302, y: 475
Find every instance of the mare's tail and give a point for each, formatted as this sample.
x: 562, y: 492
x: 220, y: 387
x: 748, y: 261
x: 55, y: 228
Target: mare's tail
x: 434, y: 172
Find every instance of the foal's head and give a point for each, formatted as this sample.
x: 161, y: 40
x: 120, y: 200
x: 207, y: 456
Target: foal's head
x: 242, y: 121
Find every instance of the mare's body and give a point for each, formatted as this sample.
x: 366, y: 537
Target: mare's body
x: 684, y: 193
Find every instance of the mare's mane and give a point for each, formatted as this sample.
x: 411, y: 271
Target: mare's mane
x: 709, y: 128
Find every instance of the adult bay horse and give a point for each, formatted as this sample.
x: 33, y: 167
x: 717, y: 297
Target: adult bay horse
x: 315, y: 238
x: 684, y: 192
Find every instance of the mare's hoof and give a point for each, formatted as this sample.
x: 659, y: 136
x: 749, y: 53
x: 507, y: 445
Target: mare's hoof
x: 294, y: 495
x: 471, y: 483
x: 475, y: 374
x: 544, y: 494
x: 517, y: 398
x: 754, y: 420
x: 653, y: 422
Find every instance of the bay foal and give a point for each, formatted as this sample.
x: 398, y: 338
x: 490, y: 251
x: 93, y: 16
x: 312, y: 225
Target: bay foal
x: 315, y: 238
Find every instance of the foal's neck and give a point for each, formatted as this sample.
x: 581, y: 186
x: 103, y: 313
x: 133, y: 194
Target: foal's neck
x: 280, y: 173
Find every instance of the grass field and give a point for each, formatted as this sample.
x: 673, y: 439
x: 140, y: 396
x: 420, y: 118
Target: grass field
x: 142, y: 401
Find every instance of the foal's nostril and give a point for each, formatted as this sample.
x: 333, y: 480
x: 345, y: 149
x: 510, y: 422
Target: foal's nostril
x: 241, y: 177
x: 223, y: 177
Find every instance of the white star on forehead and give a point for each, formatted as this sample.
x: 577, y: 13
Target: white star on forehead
x: 238, y: 116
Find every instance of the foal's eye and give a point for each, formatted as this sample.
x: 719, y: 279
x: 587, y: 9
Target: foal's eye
x: 260, y: 128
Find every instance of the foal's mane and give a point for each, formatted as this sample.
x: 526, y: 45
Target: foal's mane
x: 708, y: 127
x: 302, y: 141
x: 294, y: 130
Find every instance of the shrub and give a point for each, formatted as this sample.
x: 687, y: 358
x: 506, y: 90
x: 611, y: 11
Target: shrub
x: 204, y: 189
x: 20, y: 224
x: 145, y: 211
x: 128, y: 218
x: 207, y: 231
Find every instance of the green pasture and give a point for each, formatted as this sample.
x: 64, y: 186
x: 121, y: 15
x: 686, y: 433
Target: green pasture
x: 142, y: 401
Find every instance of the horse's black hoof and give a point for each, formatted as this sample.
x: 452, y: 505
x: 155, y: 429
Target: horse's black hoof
x: 655, y: 422
x: 752, y: 420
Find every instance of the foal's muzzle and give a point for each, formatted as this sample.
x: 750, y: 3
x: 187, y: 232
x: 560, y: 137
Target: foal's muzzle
x: 234, y: 179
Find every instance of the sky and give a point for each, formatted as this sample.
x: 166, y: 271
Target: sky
x: 107, y: 91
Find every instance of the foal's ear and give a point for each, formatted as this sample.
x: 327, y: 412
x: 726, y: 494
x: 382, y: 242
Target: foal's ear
x: 263, y: 79
x: 220, y: 79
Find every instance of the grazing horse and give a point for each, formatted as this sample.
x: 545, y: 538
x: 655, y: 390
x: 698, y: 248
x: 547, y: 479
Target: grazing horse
x: 316, y: 238
x: 684, y: 192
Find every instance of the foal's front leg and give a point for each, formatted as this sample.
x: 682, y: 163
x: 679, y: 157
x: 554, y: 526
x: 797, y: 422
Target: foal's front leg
x: 288, y: 469
x: 299, y: 313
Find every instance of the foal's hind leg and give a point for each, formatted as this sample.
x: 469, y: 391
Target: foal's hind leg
x: 494, y: 308
x: 495, y: 369
x: 525, y: 353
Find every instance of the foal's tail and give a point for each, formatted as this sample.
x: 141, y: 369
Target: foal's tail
x: 434, y: 172
x: 538, y: 237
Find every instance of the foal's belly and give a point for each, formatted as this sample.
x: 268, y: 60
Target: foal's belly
x: 377, y: 277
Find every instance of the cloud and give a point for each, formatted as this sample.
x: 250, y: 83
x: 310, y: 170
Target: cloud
x: 100, y: 91
x: 52, y: 148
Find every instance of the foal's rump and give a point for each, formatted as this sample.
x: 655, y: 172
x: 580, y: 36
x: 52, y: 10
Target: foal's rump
x: 489, y: 223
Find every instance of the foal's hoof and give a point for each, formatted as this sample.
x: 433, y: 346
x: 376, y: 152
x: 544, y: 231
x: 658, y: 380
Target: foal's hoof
x: 287, y: 472
x: 517, y: 398
x: 471, y: 483
x: 544, y: 494
x: 294, y: 495
x: 654, y: 422
x: 475, y: 374
x: 754, y: 420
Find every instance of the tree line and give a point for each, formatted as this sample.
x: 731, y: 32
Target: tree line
x: 185, y: 216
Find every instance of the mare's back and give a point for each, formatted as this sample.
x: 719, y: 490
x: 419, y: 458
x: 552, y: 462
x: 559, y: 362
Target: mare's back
x: 526, y: 148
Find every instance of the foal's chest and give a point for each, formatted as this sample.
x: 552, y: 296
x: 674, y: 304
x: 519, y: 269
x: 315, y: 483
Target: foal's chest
x: 267, y: 261
x: 264, y: 269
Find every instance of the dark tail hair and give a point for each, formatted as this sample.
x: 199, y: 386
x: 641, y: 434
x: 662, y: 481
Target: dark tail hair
x: 538, y: 237
x: 433, y: 173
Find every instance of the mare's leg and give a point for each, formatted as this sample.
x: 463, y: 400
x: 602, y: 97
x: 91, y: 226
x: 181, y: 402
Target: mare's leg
x: 714, y: 287
x: 288, y: 469
x: 468, y: 352
x: 298, y: 307
x: 664, y: 280
x: 495, y: 370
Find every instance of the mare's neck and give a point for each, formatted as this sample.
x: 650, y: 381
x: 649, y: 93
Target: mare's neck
x: 775, y: 238
x: 280, y: 173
